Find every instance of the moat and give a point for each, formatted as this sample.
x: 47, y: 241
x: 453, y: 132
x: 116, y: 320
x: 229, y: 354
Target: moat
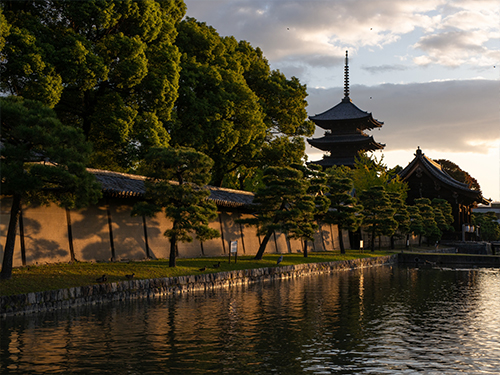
x: 381, y: 320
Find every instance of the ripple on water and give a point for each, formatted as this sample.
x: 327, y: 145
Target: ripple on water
x: 387, y: 320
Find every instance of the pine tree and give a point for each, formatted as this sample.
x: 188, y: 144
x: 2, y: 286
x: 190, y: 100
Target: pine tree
x: 344, y: 210
x: 378, y: 213
x: 489, y: 228
x: 313, y: 206
x: 416, y: 223
x: 176, y: 185
x: 281, y: 204
x: 401, y: 215
x: 431, y: 230
x: 42, y: 160
x: 444, y: 214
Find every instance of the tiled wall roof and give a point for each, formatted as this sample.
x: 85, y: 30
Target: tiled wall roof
x: 124, y: 185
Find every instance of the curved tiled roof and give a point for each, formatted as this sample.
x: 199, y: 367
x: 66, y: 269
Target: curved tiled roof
x: 345, y: 111
x: 326, y: 143
x: 436, y: 171
x: 124, y: 185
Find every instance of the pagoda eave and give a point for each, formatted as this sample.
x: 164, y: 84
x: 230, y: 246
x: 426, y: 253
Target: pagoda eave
x: 364, y: 123
x: 358, y: 142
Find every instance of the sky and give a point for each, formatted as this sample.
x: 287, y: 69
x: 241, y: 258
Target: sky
x: 428, y: 69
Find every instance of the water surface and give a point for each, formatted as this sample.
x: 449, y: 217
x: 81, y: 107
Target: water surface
x: 383, y: 320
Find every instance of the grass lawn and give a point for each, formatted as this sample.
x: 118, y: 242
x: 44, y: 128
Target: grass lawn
x: 37, y: 278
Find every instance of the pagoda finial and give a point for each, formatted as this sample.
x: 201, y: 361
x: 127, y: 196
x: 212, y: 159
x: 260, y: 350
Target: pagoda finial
x: 346, y: 76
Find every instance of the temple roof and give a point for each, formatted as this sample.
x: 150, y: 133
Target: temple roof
x: 344, y: 112
x: 361, y: 141
x: 423, y: 163
x: 124, y: 185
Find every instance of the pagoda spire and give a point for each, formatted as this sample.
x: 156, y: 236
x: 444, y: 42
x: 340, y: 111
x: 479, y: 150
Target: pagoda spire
x: 346, y: 79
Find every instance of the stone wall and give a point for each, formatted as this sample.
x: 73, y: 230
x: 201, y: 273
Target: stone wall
x: 108, y: 292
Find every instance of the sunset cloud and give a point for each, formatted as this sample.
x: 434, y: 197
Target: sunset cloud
x: 429, y: 69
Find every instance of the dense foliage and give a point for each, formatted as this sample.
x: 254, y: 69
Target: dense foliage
x: 459, y: 174
x: 232, y: 107
x: 344, y: 210
x: 109, y: 68
x: 489, y: 226
x: 283, y: 205
x: 42, y: 160
x: 176, y: 186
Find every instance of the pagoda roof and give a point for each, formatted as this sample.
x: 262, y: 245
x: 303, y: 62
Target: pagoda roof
x: 422, y: 163
x: 360, y: 140
x: 345, y: 111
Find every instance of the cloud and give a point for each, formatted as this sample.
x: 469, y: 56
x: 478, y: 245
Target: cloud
x: 452, y: 32
x: 384, y: 68
x: 451, y: 116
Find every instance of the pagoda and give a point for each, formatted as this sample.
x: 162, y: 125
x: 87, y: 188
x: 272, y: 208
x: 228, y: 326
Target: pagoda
x: 344, y: 136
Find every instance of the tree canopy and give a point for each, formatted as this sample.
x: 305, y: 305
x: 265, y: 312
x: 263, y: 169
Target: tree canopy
x: 109, y: 68
x: 459, y: 174
x: 378, y: 212
x: 344, y: 210
x: 232, y: 107
x: 489, y: 228
x: 282, y: 205
x: 176, y: 185
x: 42, y: 160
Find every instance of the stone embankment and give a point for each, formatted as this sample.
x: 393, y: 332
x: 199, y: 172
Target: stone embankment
x: 108, y: 292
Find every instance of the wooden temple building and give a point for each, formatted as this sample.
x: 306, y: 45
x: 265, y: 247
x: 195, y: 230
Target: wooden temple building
x: 345, y: 125
x: 426, y: 179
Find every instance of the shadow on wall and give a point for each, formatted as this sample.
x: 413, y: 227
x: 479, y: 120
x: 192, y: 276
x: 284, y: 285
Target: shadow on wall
x: 231, y: 231
x: 90, y: 231
x: 128, y: 231
x: 41, y: 248
x: 107, y: 229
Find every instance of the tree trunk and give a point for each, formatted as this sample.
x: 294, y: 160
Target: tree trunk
x: 341, y: 242
x: 8, y: 255
x: 263, y: 245
x: 305, y: 248
x: 373, y: 240
x: 173, y: 243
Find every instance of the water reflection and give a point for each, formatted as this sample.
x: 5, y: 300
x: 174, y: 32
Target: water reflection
x: 384, y: 320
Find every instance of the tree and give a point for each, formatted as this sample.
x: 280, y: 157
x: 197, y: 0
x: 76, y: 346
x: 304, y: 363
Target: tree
x: 430, y: 228
x: 416, y: 222
x: 42, y: 160
x: 459, y: 174
x: 232, y: 107
x: 216, y: 112
x: 378, y: 213
x: 176, y: 185
x: 443, y: 213
x: 368, y: 172
x: 109, y: 68
x: 344, y: 210
x: 401, y: 215
x: 489, y: 228
x: 280, y: 204
x: 313, y: 205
